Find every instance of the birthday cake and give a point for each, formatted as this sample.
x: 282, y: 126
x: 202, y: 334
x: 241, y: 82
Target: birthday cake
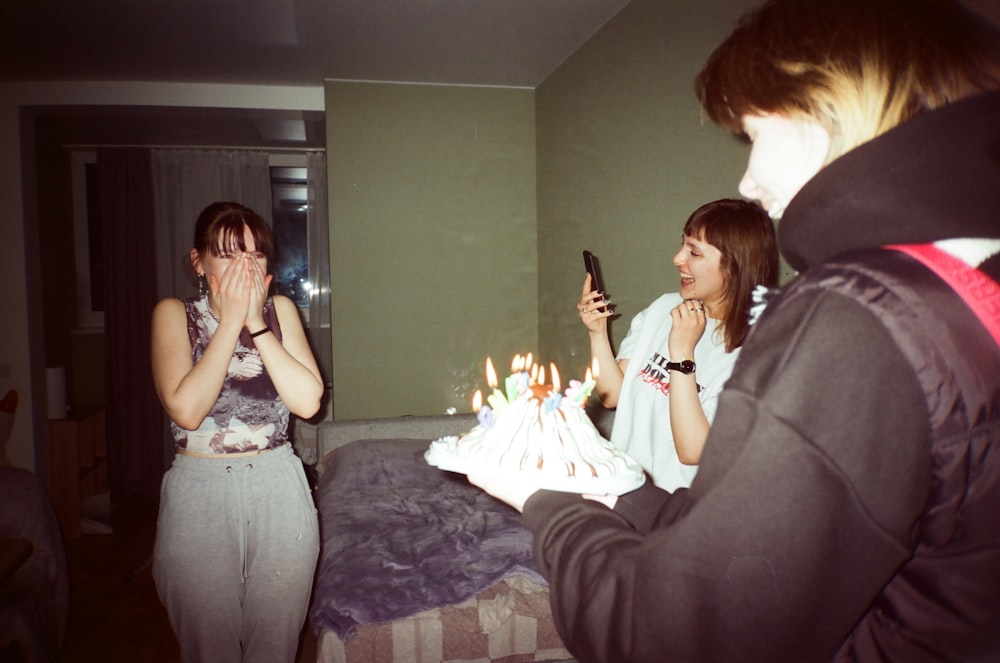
x: 535, y: 433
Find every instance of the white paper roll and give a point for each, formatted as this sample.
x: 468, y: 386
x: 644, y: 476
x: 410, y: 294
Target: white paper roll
x: 56, y: 390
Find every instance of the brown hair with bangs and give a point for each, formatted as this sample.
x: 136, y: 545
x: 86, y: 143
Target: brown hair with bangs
x: 219, y: 229
x: 744, y: 235
x: 856, y: 67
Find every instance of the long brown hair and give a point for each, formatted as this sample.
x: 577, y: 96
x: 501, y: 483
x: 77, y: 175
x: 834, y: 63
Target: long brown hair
x: 744, y: 235
x: 856, y: 67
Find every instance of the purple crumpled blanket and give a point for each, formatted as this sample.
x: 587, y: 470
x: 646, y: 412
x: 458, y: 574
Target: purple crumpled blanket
x: 400, y: 537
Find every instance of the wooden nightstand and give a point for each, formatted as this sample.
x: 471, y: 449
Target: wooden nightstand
x: 79, y: 464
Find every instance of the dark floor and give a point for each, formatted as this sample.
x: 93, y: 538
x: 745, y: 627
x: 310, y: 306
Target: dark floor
x: 115, y: 614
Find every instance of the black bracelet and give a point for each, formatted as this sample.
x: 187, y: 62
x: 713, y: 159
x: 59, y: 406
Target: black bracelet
x: 258, y: 333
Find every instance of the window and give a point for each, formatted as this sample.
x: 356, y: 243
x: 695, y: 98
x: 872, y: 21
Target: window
x: 288, y: 175
x: 289, y: 204
x: 87, y: 241
x: 301, y: 246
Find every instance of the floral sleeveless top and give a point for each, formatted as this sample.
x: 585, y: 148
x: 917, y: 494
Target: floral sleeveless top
x: 248, y: 414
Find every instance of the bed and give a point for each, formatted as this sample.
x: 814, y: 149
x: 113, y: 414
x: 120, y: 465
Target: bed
x: 416, y: 564
x: 34, y: 576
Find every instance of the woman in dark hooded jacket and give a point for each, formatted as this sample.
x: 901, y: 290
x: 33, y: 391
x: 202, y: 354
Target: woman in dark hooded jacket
x: 846, y: 506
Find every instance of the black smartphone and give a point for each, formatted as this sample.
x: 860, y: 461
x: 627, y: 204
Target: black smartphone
x: 590, y: 264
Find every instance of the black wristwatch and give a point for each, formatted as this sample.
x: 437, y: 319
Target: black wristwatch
x: 686, y: 366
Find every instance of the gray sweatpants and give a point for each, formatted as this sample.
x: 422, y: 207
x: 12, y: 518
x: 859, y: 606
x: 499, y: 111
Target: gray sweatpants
x: 236, y: 547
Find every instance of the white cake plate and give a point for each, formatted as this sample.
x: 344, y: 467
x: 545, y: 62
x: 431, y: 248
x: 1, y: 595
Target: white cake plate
x: 618, y: 485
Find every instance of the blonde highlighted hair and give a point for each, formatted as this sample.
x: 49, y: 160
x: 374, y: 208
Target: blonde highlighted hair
x: 856, y: 67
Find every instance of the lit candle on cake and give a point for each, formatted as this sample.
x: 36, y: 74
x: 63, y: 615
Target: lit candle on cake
x: 553, y: 399
x: 496, y: 400
x: 510, y: 386
x: 581, y: 392
x: 590, y: 379
x: 511, y: 382
x: 491, y: 374
x: 483, y: 412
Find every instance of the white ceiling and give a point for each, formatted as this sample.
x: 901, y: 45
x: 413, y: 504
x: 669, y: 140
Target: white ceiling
x: 296, y: 42
x: 284, y: 42
x: 302, y: 42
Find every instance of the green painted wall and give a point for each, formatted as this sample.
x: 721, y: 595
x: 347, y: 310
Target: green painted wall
x: 441, y: 251
x: 433, y: 242
x: 624, y: 157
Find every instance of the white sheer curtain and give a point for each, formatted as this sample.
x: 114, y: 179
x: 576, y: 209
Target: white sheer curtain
x: 318, y: 320
x: 185, y: 181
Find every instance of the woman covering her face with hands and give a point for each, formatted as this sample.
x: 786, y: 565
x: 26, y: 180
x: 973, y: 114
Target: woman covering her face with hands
x: 666, y: 379
x: 237, y: 535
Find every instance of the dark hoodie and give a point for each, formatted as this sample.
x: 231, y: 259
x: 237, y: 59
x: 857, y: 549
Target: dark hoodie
x: 848, y: 501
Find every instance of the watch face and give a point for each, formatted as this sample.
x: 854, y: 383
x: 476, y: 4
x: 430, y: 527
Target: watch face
x: 686, y: 366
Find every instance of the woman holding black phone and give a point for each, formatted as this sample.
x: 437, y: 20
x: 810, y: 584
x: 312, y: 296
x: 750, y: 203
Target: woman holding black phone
x: 668, y: 373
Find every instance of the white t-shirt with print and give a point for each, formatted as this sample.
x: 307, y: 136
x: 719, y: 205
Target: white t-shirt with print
x: 642, y: 418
